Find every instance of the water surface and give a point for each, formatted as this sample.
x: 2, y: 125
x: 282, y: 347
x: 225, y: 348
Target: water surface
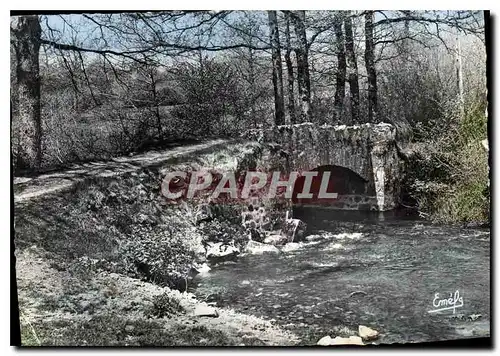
x: 382, y: 271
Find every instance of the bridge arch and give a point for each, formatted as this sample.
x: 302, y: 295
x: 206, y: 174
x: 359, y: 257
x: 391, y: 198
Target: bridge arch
x: 367, y: 151
x: 353, y: 191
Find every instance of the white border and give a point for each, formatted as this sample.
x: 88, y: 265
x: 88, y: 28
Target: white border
x: 189, y: 4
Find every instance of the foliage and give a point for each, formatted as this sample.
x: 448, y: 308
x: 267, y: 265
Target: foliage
x: 225, y: 226
x: 450, y: 174
x: 165, y: 305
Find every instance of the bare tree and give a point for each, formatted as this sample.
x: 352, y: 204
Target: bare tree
x: 460, y: 80
x: 26, y: 32
x: 303, y: 77
x: 340, y: 75
x: 150, y: 79
x: 289, y: 68
x: 279, y: 104
x: 249, y: 29
x: 370, y: 67
x: 352, y: 68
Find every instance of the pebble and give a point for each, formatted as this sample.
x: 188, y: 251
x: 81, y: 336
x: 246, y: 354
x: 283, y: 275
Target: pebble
x: 202, y: 310
x: 325, y: 341
x: 351, y: 340
x: 367, y: 333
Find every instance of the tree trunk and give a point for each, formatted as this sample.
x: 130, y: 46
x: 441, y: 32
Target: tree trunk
x: 460, y: 80
x: 352, y: 68
x: 279, y: 104
x: 301, y: 51
x: 156, y: 104
x: 341, y: 67
x: 370, y: 67
x: 406, y: 39
x: 26, y: 32
x: 289, y: 68
x: 251, y: 80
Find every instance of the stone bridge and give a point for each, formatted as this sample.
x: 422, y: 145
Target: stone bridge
x: 363, y: 160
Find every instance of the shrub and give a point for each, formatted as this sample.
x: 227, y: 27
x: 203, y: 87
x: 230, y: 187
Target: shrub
x: 164, y: 306
x: 449, y: 174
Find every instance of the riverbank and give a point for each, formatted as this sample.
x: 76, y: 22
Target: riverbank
x: 60, y: 308
x: 104, y: 263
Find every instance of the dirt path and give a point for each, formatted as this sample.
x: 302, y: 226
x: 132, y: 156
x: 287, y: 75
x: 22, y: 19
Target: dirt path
x: 26, y: 188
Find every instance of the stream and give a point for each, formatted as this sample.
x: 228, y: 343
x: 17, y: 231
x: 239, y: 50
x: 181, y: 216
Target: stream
x: 378, y: 270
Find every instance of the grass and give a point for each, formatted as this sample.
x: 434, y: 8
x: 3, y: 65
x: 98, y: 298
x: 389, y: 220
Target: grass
x: 29, y: 336
x: 116, y: 330
x: 468, y: 196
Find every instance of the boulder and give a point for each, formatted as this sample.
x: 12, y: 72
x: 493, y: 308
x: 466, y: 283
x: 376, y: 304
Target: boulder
x: 256, y: 235
x: 257, y: 248
x: 351, y: 340
x: 204, y: 310
x: 314, y: 238
x: 292, y: 246
x: 275, y: 240
x: 220, y: 252
x: 325, y: 341
x: 367, y: 333
x: 202, y: 269
x: 294, y: 230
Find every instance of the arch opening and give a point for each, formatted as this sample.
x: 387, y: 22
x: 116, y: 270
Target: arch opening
x: 352, y: 190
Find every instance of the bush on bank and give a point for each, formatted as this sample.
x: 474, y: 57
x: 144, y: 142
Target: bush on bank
x: 449, y: 173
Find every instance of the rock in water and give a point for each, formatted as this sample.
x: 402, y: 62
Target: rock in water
x: 325, y: 341
x: 257, y: 248
x: 203, y: 310
x: 292, y: 246
x: 351, y: 340
x: 202, y: 269
x: 294, y: 230
x: 314, y: 238
x: 219, y: 252
x: 367, y: 333
x: 275, y: 240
